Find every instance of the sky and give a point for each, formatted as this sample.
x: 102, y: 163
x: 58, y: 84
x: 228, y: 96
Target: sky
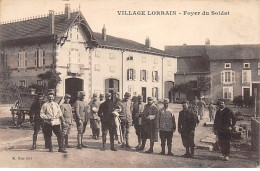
x: 241, y: 26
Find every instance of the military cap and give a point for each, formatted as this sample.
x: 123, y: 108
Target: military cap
x: 127, y: 94
x: 81, y: 93
x: 150, y: 99
x: 186, y: 101
x: 108, y: 94
x: 95, y: 95
x: 101, y: 95
x: 140, y: 96
x: 67, y: 96
x: 166, y: 101
x: 51, y: 91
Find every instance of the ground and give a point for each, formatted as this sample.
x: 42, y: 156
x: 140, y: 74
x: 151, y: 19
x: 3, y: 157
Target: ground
x: 16, y: 143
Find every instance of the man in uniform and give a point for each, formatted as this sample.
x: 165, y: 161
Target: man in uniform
x: 52, y: 115
x: 93, y: 116
x: 35, y: 113
x: 167, y: 126
x: 67, y: 115
x: 81, y: 108
x: 101, y: 98
x: 126, y: 118
x: 186, y: 127
x: 138, y: 109
x: 116, y: 99
x: 201, y: 106
x: 107, y: 121
x: 224, y: 122
x: 149, y: 125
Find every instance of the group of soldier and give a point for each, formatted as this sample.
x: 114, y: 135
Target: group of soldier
x: 117, y: 116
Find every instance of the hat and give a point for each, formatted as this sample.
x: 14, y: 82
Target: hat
x: 51, y: 91
x: 95, y: 96
x: 150, y: 99
x: 166, y: 101
x: 101, y: 95
x: 117, y: 93
x: 186, y: 102
x: 67, y: 96
x: 40, y: 94
x: 127, y: 94
x: 81, y: 93
x: 140, y: 96
x: 108, y: 94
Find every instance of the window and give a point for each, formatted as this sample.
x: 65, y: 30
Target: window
x: 144, y: 59
x: 97, y: 67
x: 258, y: 72
x: 130, y: 74
x: 74, y: 56
x: 246, y: 65
x: 5, y: 61
x: 22, y: 83
x: 155, y: 76
x: 227, y: 65
x: 39, y: 82
x: 155, y: 61
x: 258, y: 64
x: 169, y: 62
x: 74, y: 31
x: 228, y: 93
x: 227, y: 77
x: 22, y: 61
x: 112, y: 68
x: 246, y: 76
x: 39, y: 58
x: 130, y: 58
x: 111, y: 56
x: 97, y: 54
x: 155, y: 92
x: 143, y: 75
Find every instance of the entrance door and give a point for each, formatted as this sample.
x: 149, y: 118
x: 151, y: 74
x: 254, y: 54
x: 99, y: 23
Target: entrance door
x: 144, y: 93
x: 112, y: 86
x: 168, y: 85
x: 72, y: 86
x: 246, y: 93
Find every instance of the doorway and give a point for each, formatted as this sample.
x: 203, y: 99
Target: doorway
x: 144, y: 94
x: 111, y: 86
x: 72, y: 86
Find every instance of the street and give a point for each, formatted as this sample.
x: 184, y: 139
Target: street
x: 16, y: 143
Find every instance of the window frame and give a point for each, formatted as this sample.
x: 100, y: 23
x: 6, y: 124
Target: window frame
x: 22, y: 80
x: 231, y: 91
x: 244, y: 65
x: 143, y: 77
x: 248, y: 76
x: 225, y: 65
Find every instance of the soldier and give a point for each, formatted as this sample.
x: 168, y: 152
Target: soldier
x: 67, y: 115
x: 101, y: 98
x: 186, y: 127
x: 116, y: 99
x: 138, y: 109
x: 81, y: 108
x: 126, y: 118
x: 35, y: 113
x: 93, y: 116
x: 107, y: 121
x: 201, y: 105
x: 52, y: 115
x: 149, y: 125
x: 225, y: 121
x: 167, y: 126
x: 212, y: 111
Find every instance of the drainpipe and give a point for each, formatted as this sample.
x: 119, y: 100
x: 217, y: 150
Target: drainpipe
x: 122, y: 87
x: 162, y: 78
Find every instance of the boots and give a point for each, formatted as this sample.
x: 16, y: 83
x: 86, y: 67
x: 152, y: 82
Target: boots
x: 60, y: 143
x: 151, y: 148
x: 79, y: 137
x: 104, y: 145
x: 34, y: 142
x: 113, y: 147
x: 50, y: 145
x: 84, y: 146
x: 139, y: 142
x: 192, y: 151
x: 127, y: 142
x: 142, y: 146
x: 187, y: 154
x: 67, y: 141
x: 170, y: 151
x: 163, y: 150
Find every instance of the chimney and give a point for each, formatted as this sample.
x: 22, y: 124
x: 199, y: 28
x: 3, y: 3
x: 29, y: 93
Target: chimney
x: 104, y: 34
x: 67, y: 11
x: 207, y: 41
x: 51, y: 20
x: 147, y: 42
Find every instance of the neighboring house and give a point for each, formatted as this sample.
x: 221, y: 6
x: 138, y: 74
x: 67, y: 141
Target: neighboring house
x: 88, y: 61
x: 234, y: 69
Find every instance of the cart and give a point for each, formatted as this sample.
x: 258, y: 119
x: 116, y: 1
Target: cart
x: 23, y: 105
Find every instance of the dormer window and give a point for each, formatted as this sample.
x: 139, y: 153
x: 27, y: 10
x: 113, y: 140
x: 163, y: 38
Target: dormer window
x: 246, y: 65
x: 130, y: 58
x: 227, y: 65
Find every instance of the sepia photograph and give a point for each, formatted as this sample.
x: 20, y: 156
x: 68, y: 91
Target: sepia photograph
x: 129, y: 83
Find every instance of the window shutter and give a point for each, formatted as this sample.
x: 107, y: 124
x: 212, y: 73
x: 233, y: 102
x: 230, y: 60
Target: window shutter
x: 147, y: 75
x: 43, y: 60
x: 128, y: 74
x: 140, y: 75
x: 249, y: 76
x: 233, y: 77
x: 222, y: 76
x: 152, y: 76
x: 25, y: 58
x: 19, y: 59
x: 133, y: 74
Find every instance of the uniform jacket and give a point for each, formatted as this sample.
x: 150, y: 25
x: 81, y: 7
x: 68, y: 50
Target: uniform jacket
x: 92, y: 114
x: 127, y: 109
x: 224, y: 119
x: 81, y: 111
x: 166, y: 120
x: 105, y: 112
x: 36, y: 108
x: 187, y: 121
x: 67, y: 112
x: 137, y: 112
x: 149, y: 121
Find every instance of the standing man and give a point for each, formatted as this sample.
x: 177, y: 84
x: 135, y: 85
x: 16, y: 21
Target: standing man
x: 101, y: 98
x: 167, y: 126
x: 52, y: 115
x: 224, y: 122
x: 116, y: 99
x: 67, y: 115
x: 126, y: 118
x: 81, y: 118
x: 138, y: 109
x: 93, y: 116
x: 149, y: 125
x: 186, y: 127
x: 201, y: 106
x: 35, y: 113
x: 212, y: 111
x: 107, y: 121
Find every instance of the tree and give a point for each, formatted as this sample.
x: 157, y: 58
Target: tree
x: 204, y: 84
x: 52, y: 78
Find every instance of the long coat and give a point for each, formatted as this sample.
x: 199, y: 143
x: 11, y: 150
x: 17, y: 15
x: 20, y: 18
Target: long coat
x: 149, y: 121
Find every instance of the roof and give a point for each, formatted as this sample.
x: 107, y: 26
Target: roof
x: 37, y: 27
x: 216, y: 52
